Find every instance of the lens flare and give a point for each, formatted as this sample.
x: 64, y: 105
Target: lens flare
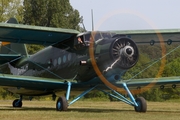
x: 162, y: 45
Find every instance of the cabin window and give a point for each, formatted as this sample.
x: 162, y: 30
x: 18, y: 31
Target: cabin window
x: 64, y: 58
x: 59, y: 60
x: 55, y: 62
x: 69, y: 57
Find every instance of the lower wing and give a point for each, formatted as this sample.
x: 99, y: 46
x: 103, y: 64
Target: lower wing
x: 47, y: 85
x: 38, y: 83
x: 141, y: 85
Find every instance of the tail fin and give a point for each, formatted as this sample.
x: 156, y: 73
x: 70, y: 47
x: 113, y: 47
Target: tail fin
x: 12, y: 20
x: 13, y: 48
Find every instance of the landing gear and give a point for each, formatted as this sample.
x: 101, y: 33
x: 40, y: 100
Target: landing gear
x: 139, y: 104
x: 142, y: 106
x: 17, y: 103
x: 61, y: 104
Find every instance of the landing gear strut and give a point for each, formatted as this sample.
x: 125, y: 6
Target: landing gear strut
x: 139, y: 103
x: 62, y: 102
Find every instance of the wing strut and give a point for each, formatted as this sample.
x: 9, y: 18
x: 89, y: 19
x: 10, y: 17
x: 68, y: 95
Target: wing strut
x: 139, y: 103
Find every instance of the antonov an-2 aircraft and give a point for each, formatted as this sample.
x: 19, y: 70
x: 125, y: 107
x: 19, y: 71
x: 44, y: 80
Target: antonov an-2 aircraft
x: 74, y: 61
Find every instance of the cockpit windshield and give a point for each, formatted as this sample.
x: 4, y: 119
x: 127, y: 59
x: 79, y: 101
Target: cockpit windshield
x: 98, y: 35
x: 85, y: 38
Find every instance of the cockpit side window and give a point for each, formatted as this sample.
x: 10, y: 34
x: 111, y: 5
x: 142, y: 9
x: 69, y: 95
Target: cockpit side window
x: 79, y: 42
x: 87, y: 37
x: 97, y: 36
x: 106, y: 35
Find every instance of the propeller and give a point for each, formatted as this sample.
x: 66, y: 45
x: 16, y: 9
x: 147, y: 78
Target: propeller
x: 125, y: 51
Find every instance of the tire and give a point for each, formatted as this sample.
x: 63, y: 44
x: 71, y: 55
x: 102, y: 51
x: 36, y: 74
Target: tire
x: 61, y: 104
x: 17, y: 103
x: 142, y: 105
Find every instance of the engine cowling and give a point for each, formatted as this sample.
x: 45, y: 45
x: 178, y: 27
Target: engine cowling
x: 125, y: 52
x: 116, y: 55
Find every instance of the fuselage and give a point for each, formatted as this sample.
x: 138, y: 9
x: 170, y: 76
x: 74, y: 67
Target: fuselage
x: 113, y: 56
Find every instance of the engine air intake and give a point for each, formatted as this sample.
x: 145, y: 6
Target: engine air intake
x: 125, y: 51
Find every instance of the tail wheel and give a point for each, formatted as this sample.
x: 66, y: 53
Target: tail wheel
x: 142, y: 105
x: 17, y: 103
x: 61, y: 104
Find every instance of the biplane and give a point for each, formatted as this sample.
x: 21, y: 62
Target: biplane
x: 74, y: 61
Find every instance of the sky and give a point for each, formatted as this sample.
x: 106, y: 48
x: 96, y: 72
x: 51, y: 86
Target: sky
x: 129, y: 14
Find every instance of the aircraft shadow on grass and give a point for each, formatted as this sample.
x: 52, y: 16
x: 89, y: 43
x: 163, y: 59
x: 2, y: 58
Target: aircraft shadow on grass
x: 91, y: 110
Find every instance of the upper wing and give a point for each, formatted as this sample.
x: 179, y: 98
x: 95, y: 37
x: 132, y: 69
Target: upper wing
x: 152, y: 36
x: 27, y: 34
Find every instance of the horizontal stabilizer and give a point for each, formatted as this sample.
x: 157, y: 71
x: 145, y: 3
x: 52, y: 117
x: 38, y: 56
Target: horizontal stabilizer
x: 4, y: 58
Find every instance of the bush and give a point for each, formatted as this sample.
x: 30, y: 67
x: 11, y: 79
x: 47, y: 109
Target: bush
x: 161, y: 95
x: 96, y: 94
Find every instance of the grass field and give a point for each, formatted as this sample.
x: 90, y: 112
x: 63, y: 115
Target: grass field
x: 88, y: 110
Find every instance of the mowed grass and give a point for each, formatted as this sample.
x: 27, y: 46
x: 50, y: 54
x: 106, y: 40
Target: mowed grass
x: 88, y: 110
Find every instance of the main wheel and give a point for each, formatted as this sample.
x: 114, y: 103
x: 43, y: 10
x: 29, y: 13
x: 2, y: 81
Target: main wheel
x: 142, y: 106
x: 17, y: 103
x: 61, y: 104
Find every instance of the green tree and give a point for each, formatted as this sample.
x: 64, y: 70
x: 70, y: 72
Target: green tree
x: 172, y: 68
x: 153, y: 95
x: 32, y: 48
x: 51, y: 13
x: 143, y: 68
x: 10, y: 8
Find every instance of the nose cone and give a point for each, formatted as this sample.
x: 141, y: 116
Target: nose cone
x: 129, y: 51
